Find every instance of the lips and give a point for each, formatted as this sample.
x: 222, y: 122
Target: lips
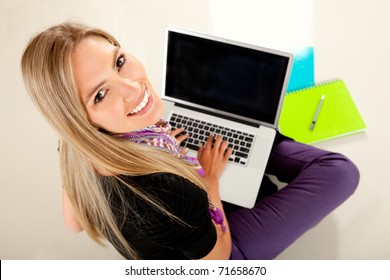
x: 141, y: 105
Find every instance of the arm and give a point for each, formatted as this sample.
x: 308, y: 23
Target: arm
x: 222, y: 248
x: 213, y: 159
x: 70, y: 218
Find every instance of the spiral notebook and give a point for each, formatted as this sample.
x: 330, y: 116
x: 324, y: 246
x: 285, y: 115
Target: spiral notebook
x: 335, y: 116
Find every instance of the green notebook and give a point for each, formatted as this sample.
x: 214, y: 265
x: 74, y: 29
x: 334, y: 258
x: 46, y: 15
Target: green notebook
x: 337, y: 114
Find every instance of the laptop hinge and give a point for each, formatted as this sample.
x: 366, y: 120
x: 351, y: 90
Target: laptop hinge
x: 218, y: 115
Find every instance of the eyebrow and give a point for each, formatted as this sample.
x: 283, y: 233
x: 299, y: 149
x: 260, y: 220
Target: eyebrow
x: 96, y: 88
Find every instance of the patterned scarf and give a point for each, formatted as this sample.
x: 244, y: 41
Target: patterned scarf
x: 158, y: 135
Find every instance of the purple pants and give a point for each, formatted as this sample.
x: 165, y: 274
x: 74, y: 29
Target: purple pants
x: 318, y: 182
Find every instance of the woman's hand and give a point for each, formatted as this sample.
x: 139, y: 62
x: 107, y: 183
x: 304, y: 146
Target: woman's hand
x: 214, y: 157
x: 180, y: 136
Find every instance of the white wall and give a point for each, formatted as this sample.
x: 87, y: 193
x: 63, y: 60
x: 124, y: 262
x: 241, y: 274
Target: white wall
x: 351, y: 41
x: 280, y: 24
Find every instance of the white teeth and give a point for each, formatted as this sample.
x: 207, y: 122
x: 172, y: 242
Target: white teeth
x: 142, y: 104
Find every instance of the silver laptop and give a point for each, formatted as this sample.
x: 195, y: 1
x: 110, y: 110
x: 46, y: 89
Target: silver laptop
x: 218, y: 86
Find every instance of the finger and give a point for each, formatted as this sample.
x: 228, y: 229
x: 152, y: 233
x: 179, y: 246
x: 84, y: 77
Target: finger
x: 176, y: 132
x: 209, y: 142
x: 223, y: 147
x: 227, y: 154
x: 200, y: 151
x: 224, y: 152
x: 217, y: 144
x: 183, y: 137
x: 184, y: 151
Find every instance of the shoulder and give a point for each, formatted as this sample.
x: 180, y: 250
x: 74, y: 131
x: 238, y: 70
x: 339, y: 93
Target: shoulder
x: 166, y: 184
x: 173, y: 192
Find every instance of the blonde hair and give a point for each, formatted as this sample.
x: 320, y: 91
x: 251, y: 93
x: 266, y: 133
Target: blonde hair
x: 48, y: 75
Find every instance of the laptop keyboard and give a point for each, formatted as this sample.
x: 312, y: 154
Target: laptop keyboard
x: 200, y: 130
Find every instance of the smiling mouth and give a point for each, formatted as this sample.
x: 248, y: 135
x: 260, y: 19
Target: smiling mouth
x: 142, y: 105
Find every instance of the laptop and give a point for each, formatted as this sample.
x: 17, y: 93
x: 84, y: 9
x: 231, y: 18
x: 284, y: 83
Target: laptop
x: 213, y: 85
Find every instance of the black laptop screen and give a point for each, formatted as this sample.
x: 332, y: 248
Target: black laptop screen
x: 230, y: 78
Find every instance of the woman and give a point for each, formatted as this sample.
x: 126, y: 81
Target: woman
x: 126, y: 180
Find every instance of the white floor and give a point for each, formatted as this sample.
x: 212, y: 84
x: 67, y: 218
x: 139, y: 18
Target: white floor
x: 351, y: 41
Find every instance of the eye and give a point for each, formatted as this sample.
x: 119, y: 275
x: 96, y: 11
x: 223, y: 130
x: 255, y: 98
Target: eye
x: 99, y: 96
x: 120, y: 61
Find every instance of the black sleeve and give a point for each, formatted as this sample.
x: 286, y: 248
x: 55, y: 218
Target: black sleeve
x: 194, y: 234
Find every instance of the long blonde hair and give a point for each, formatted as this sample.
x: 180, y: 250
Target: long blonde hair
x: 48, y: 75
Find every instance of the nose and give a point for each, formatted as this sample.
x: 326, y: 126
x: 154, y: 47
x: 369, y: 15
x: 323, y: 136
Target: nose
x: 129, y: 90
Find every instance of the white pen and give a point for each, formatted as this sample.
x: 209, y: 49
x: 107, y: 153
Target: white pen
x: 313, y: 123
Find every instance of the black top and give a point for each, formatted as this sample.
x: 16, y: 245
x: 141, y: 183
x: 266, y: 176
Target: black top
x: 155, y: 235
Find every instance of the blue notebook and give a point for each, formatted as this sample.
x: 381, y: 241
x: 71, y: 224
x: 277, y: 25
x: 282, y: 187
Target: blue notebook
x: 302, y: 72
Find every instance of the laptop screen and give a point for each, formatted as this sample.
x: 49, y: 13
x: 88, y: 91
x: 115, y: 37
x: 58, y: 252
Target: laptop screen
x: 224, y: 77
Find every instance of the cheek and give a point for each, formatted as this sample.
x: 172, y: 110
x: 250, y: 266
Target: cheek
x: 103, y: 114
x: 160, y: 106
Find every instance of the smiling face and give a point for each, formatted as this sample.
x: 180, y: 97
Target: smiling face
x: 114, y: 87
